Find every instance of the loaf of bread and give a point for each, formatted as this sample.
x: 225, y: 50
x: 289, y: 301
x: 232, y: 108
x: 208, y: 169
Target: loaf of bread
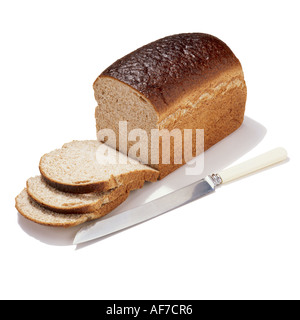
x: 185, y: 81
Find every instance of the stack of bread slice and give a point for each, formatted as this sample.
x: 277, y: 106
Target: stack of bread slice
x: 77, y: 184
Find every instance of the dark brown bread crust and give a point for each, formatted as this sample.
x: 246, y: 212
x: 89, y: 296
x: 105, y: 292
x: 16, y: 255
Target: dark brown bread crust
x: 165, y: 69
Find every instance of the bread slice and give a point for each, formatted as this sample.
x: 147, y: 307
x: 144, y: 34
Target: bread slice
x: 34, y: 212
x: 63, y: 202
x: 76, y: 168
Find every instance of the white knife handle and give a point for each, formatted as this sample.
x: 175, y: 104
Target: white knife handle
x: 264, y: 160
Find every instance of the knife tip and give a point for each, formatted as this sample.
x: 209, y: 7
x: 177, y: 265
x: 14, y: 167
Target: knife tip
x: 77, y: 239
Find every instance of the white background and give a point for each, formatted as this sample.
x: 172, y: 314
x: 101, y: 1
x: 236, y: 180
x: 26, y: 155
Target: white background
x: 242, y: 242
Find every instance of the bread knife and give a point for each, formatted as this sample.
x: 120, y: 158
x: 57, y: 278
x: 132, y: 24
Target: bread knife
x: 178, y: 198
